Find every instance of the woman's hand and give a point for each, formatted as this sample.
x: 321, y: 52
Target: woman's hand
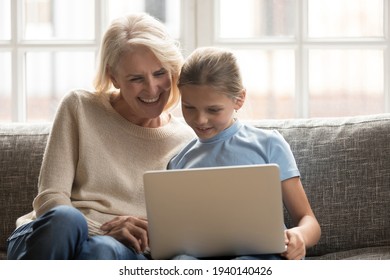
x: 131, y: 231
x: 296, y: 248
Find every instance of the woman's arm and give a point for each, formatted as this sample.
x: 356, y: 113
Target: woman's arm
x: 60, y: 159
x: 306, y: 232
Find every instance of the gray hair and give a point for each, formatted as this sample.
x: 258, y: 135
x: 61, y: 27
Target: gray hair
x: 133, y: 30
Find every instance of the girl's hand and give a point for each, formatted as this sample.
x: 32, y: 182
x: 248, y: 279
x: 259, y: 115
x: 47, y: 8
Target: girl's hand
x: 131, y: 231
x: 296, y: 248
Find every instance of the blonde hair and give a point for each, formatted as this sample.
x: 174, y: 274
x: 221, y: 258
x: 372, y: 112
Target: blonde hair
x: 215, y: 67
x: 138, y: 30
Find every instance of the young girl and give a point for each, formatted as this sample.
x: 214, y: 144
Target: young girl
x: 211, y: 90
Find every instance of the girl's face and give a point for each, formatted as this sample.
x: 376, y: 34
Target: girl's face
x: 144, y: 85
x: 207, y: 111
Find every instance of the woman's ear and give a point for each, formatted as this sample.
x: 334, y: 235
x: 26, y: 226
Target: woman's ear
x: 240, y: 99
x: 112, y: 77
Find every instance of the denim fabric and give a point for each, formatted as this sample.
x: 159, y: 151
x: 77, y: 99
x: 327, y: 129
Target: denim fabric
x: 62, y: 234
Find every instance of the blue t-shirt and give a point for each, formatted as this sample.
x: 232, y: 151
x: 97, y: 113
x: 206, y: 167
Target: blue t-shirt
x: 239, y: 144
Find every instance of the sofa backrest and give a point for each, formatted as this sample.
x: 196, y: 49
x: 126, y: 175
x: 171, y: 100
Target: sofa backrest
x: 344, y: 164
x: 21, y: 153
x: 345, y: 170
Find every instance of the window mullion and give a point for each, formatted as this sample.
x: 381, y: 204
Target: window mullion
x: 101, y: 20
x: 188, y: 29
x: 205, y: 22
x: 19, y: 106
x: 302, y: 62
x: 386, y: 28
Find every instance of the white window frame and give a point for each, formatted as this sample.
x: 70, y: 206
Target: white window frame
x: 197, y: 29
x: 205, y: 27
x: 19, y: 48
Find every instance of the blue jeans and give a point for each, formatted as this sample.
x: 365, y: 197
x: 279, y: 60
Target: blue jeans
x: 62, y: 234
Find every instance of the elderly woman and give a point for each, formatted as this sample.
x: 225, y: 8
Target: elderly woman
x: 90, y: 203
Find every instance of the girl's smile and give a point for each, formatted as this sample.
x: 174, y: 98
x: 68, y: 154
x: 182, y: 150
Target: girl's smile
x: 207, y: 111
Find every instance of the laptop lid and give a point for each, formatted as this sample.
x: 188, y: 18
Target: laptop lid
x: 211, y: 212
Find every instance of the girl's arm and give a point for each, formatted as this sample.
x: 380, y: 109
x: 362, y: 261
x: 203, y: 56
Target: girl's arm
x: 306, y: 232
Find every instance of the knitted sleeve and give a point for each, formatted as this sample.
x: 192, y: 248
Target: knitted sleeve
x: 60, y: 158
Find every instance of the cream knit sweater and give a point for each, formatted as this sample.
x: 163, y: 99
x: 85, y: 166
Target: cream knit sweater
x: 95, y: 160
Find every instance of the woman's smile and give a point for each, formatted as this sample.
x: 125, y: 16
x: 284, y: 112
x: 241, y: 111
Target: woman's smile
x: 149, y: 100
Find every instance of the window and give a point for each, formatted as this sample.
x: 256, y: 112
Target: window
x: 308, y: 58
x: 299, y: 58
x: 48, y: 48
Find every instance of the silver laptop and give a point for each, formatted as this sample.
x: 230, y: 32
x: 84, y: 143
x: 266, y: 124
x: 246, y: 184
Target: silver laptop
x: 212, y: 212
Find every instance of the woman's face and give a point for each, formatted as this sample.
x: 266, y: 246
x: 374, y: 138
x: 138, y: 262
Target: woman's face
x: 144, y: 85
x: 207, y: 111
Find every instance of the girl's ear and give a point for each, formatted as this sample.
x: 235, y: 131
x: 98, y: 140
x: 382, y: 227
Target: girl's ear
x: 240, y: 99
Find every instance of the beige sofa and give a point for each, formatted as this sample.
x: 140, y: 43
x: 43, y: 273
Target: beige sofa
x: 344, y: 163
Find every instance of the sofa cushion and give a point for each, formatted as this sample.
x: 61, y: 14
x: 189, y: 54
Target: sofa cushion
x: 345, y: 170
x: 21, y: 152
x: 372, y: 253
